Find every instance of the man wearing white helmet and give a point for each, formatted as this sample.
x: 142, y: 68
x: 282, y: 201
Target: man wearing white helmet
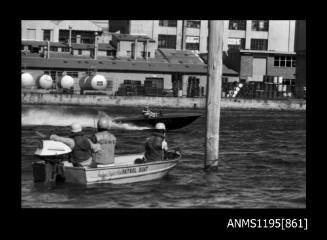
x: 103, y: 143
x: 156, y: 145
x: 80, y: 145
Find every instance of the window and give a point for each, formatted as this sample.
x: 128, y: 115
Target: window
x: 168, y: 23
x: 73, y: 74
x: 284, y: 61
x: 53, y: 48
x: 64, y: 36
x: 167, y: 41
x: 236, y: 43
x: 193, y: 24
x: 79, y: 51
x: 259, y: 44
x: 65, y: 49
x: 109, y: 53
x: 86, y: 37
x: 145, y: 53
x: 260, y: 25
x: 192, y: 46
x: 192, y: 42
x: 237, y: 24
x: 46, y: 35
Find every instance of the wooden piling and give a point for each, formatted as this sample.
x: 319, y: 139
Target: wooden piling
x: 215, y: 66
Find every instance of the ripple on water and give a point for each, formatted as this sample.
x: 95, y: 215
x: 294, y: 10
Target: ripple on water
x: 262, y: 164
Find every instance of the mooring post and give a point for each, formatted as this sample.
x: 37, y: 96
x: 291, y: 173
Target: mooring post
x: 215, y: 65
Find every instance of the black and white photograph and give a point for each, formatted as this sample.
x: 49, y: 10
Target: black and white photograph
x: 163, y: 114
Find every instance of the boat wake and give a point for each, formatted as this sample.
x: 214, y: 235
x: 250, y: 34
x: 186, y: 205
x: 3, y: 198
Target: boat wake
x: 59, y: 118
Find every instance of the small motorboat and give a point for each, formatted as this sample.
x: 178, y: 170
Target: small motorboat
x: 171, y: 120
x: 54, y: 166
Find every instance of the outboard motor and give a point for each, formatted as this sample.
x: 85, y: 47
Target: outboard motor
x: 50, y: 167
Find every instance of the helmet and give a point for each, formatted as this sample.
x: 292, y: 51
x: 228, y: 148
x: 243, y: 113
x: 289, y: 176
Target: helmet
x: 76, y: 127
x: 103, y: 123
x: 160, y: 126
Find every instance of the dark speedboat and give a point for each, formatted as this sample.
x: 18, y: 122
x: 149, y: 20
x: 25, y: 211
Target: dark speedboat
x: 171, y: 120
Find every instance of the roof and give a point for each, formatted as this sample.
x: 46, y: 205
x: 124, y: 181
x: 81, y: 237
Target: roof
x: 116, y: 65
x: 180, y: 56
x: 105, y: 46
x: 79, y: 25
x: 102, y: 46
x: 132, y: 38
x: 42, y: 43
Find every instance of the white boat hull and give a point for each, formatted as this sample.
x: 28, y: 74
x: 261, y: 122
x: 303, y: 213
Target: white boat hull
x: 124, y: 171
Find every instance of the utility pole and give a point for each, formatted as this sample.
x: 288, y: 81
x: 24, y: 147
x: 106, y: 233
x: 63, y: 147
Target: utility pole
x: 95, y: 45
x: 70, y: 39
x: 48, y: 52
x: 215, y: 66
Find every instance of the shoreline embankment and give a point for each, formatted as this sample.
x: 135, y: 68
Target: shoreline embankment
x: 165, y: 102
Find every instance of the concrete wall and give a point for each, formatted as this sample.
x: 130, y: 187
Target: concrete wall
x: 281, y: 35
x: 203, y: 36
x: 141, y: 27
x: 124, y: 46
x: 246, y: 66
x: 168, y: 102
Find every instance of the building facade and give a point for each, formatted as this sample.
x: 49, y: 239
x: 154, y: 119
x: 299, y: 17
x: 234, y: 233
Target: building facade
x: 266, y: 35
x: 257, y: 49
x: 81, y: 31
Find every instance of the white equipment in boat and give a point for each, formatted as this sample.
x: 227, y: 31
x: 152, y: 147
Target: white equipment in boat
x: 52, y: 148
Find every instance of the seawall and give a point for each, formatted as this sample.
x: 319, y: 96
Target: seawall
x: 167, y: 102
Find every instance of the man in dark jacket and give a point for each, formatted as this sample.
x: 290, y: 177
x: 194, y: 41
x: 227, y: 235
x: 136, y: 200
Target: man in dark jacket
x: 156, y: 145
x: 80, y: 145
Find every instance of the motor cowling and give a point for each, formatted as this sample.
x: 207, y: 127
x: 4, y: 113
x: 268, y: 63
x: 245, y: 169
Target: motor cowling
x: 52, y: 148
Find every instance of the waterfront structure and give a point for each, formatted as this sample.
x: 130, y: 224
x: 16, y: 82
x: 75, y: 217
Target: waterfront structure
x: 257, y: 51
x: 170, y: 70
